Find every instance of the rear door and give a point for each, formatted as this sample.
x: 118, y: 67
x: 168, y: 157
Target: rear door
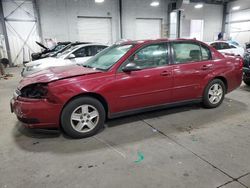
x: 192, y: 63
x: 150, y: 86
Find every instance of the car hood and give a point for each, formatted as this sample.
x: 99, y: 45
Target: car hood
x: 45, y: 61
x: 56, y: 73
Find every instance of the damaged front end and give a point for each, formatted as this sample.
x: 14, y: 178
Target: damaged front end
x: 35, y: 106
x: 35, y: 91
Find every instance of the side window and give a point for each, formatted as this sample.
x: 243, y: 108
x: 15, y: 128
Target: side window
x: 216, y: 46
x: 96, y: 49
x: 150, y: 56
x: 100, y: 48
x: 186, y: 52
x: 59, y: 47
x: 83, y: 52
x: 206, y: 54
x: 231, y: 46
x: 224, y: 46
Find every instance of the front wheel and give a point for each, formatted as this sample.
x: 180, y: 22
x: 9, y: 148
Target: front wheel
x: 214, y: 93
x: 83, y: 117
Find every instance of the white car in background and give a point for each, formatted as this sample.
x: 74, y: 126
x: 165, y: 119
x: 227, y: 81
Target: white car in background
x: 228, y: 47
x: 74, y: 55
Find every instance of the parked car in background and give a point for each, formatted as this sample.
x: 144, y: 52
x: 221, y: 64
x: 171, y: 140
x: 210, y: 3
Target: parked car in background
x: 246, y: 69
x: 74, y: 55
x: 248, y: 47
x: 46, y: 51
x: 70, y: 45
x: 126, y: 78
x: 228, y: 47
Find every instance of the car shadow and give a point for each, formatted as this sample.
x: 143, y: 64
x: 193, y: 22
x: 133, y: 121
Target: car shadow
x: 129, y: 129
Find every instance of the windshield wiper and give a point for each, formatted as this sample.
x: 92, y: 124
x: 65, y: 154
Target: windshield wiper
x: 87, y: 66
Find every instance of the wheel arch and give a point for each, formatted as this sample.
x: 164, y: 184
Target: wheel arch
x: 97, y: 96
x: 223, y: 79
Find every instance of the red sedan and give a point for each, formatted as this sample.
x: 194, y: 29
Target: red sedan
x: 123, y: 79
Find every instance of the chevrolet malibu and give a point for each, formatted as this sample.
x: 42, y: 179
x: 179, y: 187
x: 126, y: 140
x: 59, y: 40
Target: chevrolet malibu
x: 126, y: 78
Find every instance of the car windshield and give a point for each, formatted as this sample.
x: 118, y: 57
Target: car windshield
x: 108, y: 57
x: 65, y: 52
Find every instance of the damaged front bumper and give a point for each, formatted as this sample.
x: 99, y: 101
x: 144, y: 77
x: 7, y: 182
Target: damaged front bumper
x: 36, y: 113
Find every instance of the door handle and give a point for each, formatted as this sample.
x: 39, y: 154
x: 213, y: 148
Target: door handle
x: 165, y: 73
x: 206, y: 67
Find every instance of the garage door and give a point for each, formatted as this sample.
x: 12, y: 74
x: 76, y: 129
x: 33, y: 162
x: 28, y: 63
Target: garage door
x: 240, y: 31
x: 95, y: 30
x: 238, y: 26
x: 148, y: 29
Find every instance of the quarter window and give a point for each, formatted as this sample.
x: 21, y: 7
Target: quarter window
x: 151, y: 56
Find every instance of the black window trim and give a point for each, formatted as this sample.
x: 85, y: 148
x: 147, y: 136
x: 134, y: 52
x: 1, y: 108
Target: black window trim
x: 189, y: 42
x: 167, y: 44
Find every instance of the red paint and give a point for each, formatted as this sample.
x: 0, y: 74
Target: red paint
x: 125, y: 91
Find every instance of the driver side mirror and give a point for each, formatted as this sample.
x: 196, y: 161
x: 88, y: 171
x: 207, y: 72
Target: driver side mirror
x: 71, y: 56
x: 131, y: 67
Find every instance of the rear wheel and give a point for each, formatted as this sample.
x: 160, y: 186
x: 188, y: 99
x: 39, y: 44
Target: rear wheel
x: 214, y: 93
x: 83, y: 117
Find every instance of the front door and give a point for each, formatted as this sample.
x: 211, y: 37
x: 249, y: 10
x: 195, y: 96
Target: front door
x: 150, y: 86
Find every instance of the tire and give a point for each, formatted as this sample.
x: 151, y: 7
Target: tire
x: 83, y: 117
x: 247, y: 82
x: 210, y: 90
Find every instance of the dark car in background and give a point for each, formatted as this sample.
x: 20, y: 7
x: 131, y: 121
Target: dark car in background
x: 57, y: 49
x: 46, y: 50
x: 246, y: 69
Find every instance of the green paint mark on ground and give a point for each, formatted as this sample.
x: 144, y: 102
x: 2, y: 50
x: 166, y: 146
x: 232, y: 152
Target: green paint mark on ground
x: 194, y: 139
x: 140, y: 157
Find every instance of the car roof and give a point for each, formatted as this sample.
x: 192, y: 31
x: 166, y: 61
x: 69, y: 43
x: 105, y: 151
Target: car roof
x: 148, y: 41
x: 219, y: 41
x: 89, y: 44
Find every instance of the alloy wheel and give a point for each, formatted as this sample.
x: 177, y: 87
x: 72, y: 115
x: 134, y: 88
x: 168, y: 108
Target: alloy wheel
x: 84, y: 118
x: 215, y: 93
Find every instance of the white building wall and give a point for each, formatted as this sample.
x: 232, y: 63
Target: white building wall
x: 244, y: 4
x: 133, y: 9
x: 59, y: 17
x: 212, y: 16
x: 238, y: 21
